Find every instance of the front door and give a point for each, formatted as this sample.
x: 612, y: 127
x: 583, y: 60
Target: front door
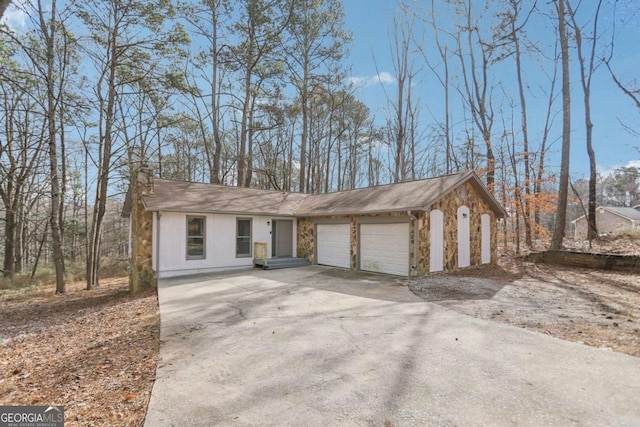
x: 282, y: 235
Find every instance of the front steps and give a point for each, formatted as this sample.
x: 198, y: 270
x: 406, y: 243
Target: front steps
x: 276, y: 263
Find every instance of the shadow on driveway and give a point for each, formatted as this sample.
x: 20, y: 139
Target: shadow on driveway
x: 319, y: 346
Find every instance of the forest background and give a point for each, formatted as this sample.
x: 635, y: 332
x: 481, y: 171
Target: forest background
x: 273, y: 94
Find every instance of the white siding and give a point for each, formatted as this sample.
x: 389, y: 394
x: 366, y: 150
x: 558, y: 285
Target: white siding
x: 334, y: 245
x: 436, y: 244
x: 220, y: 241
x: 384, y: 248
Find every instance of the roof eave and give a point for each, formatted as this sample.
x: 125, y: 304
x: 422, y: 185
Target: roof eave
x: 368, y: 212
x: 493, y: 202
x: 218, y: 212
x: 621, y: 215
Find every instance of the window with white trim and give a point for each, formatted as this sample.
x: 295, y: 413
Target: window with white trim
x: 196, y: 237
x: 243, y: 237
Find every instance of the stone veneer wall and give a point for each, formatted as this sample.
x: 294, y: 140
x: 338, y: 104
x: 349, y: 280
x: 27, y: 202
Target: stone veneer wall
x: 304, y: 237
x: 449, y: 206
x: 306, y: 230
x: 142, y: 275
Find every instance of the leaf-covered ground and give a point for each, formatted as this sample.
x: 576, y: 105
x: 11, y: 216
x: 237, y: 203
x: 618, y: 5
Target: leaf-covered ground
x: 95, y: 352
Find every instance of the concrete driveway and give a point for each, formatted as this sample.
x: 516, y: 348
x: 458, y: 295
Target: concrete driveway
x: 325, y: 347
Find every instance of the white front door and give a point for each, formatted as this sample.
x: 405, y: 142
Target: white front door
x: 333, y: 245
x: 384, y: 248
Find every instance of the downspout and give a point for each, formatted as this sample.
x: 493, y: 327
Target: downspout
x: 414, y: 267
x: 157, y: 244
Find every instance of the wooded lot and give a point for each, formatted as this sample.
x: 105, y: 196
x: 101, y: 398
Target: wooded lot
x: 259, y: 94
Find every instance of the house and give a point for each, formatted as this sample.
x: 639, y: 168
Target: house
x: 406, y: 229
x: 608, y: 220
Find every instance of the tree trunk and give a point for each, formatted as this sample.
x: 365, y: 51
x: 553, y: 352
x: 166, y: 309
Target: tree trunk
x: 525, y: 131
x: 304, y: 136
x: 561, y: 213
x: 585, y: 75
x: 9, y: 244
x: 56, y: 199
x: 100, y: 204
x: 3, y: 6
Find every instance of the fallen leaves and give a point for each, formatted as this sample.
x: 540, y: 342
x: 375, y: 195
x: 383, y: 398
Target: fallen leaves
x: 595, y: 307
x: 95, y: 352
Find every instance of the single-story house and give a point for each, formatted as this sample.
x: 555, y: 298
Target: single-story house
x: 608, y: 220
x: 409, y: 228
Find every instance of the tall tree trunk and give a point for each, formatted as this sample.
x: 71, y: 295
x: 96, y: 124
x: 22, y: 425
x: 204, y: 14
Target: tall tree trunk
x: 586, y: 72
x: 100, y: 204
x: 9, y: 264
x: 561, y: 213
x: 51, y: 116
x: 524, y: 126
x: 305, y: 135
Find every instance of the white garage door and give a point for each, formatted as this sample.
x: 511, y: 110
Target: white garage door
x: 334, y: 245
x: 384, y: 248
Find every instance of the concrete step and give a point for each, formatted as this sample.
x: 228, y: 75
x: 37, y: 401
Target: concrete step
x: 276, y: 263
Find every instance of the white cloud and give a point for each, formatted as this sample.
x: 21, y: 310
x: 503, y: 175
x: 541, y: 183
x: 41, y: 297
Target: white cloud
x: 380, y: 78
x: 612, y: 169
x: 385, y: 77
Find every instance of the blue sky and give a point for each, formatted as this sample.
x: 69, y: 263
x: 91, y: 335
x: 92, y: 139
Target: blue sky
x: 371, y: 21
x: 371, y: 66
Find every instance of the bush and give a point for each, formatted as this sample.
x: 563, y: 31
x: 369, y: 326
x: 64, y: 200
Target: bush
x: 627, y: 233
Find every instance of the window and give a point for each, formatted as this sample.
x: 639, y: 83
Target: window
x: 243, y: 237
x: 195, y: 237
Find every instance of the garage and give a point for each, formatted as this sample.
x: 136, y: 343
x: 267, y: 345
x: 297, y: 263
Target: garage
x: 384, y: 248
x: 333, y: 245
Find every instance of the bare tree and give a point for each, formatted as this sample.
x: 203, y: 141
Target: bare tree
x: 317, y: 44
x: 255, y: 58
x: 476, y: 89
x: 49, y: 31
x: 443, y: 73
x: 207, y: 18
x: 123, y: 33
x: 588, y: 66
x: 510, y: 32
x: 563, y: 189
x: 401, y: 126
x: 21, y: 150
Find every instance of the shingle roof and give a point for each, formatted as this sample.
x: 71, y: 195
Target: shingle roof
x: 630, y: 213
x: 403, y: 196
x: 178, y: 196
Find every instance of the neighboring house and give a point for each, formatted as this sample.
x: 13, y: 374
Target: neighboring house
x: 608, y: 220
x: 409, y: 228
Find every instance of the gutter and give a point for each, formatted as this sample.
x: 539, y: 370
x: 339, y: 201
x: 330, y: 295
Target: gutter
x: 157, y: 251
